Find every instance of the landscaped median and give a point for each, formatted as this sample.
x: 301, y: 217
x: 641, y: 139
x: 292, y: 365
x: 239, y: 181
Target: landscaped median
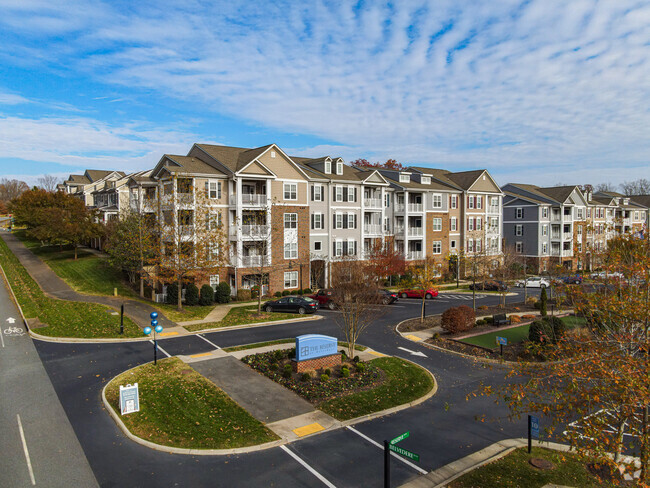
x: 243, y: 316
x: 179, y: 408
x: 63, y: 318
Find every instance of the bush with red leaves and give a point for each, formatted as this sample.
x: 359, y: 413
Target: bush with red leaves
x: 458, y: 319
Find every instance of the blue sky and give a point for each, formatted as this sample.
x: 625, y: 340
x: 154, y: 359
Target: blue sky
x: 537, y: 91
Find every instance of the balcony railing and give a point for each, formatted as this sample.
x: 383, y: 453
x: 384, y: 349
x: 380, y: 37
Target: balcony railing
x: 494, y: 209
x: 399, y: 207
x: 255, y: 231
x: 372, y: 202
x: 248, y: 261
x: 251, y: 200
x: 568, y: 217
x: 416, y: 207
x: 568, y: 236
x: 374, y: 229
x: 416, y: 231
x: 185, y: 198
x: 415, y: 255
x: 399, y: 231
x: 556, y: 217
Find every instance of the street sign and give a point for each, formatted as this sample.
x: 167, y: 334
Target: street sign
x: 404, y: 452
x: 534, y: 427
x: 129, y: 399
x: 503, y: 341
x: 400, y: 438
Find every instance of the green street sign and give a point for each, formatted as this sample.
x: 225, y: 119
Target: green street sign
x: 404, y: 452
x: 400, y: 438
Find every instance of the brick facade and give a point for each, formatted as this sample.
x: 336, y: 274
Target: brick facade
x: 317, y: 363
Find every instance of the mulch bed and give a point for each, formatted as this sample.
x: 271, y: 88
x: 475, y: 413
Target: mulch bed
x: 512, y: 352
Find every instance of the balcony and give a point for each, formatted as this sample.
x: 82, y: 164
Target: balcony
x: 416, y: 231
x: 416, y: 207
x: 556, y: 217
x: 494, y: 230
x: 250, y: 200
x: 494, y: 209
x: 415, y: 255
x: 251, y: 232
x: 568, y: 217
x: 568, y: 236
x: 184, y: 198
x: 372, y: 229
x: 399, y: 230
x: 399, y: 207
x: 250, y: 261
x: 372, y: 203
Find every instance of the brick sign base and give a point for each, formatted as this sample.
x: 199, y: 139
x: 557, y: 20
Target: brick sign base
x: 317, y: 363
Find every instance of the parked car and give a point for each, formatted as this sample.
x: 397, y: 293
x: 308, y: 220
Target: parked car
x: 605, y: 274
x: 325, y: 298
x: 387, y: 297
x: 534, y: 282
x: 489, y: 285
x: 418, y: 293
x: 300, y: 305
x: 570, y: 280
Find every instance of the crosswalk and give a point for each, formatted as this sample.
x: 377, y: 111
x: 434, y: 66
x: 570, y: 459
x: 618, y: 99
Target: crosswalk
x: 460, y: 296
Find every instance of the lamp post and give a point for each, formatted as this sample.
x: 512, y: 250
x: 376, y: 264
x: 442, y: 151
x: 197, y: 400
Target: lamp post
x: 155, y: 328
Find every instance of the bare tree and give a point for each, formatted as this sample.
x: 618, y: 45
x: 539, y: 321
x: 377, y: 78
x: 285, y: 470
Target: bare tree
x: 48, y: 182
x: 355, y: 291
x: 606, y: 187
x: 10, y: 189
x: 636, y: 187
x: 425, y: 276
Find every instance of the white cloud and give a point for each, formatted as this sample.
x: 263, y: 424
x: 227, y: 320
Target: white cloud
x: 507, y: 85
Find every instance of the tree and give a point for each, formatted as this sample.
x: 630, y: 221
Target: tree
x: 604, y: 187
x: 48, y: 182
x: 598, y: 375
x: 389, y: 164
x: 193, y: 240
x: 384, y: 260
x: 636, y: 187
x: 355, y: 292
x: 543, y: 299
x: 10, y: 189
x: 132, y: 243
x: 424, y: 277
x: 508, y: 266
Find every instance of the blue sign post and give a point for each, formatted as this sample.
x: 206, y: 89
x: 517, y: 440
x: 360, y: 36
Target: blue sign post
x: 502, y: 341
x: 156, y: 328
x: 533, y: 430
x: 312, y: 346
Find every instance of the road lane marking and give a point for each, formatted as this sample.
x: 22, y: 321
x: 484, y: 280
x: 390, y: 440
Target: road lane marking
x: 375, y: 353
x: 308, y: 429
x: 209, y: 342
x: 324, y: 480
x: 201, y: 355
x: 167, y: 334
x: 29, y: 462
x: 2, y: 338
x: 414, y: 337
x: 161, y: 349
x: 374, y: 443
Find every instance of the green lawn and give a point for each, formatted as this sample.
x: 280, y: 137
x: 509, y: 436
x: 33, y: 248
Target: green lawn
x: 181, y: 408
x: 241, y: 316
x: 404, y: 383
x: 514, y: 471
x: 573, y: 322
x: 64, y: 319
x: 194, y: 312
x: 489, y: 339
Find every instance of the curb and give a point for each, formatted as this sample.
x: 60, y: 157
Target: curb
x: 13, y: 296
x: 257, y: 324
x: 268, y: 445
x: 443, y: 476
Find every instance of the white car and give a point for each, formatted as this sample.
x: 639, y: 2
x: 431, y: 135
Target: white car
x: 534, y: 282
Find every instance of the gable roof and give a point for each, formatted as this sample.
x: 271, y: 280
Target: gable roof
x: 349, y: 173
x: 186, y: 165
x: 97, y: 174
x: 643, y: 200
x: 547, y: 195
x: 233, y: 158
x: 78, y: 179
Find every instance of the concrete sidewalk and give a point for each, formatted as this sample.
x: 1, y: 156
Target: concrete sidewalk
x: 217, y: 314
x: 54, y: 286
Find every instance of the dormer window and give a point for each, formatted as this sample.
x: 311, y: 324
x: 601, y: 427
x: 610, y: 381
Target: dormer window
x: 328, y: 167
x: 272, y: 154
x: 339, y: 168
x: 404, y: 178
x: 426, y: 180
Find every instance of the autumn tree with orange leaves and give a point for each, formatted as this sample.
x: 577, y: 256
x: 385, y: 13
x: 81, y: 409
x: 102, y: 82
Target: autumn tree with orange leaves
x: 389, y: 164
x: 596, y: 379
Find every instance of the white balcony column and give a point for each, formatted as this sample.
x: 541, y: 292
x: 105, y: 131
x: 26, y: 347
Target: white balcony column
x: 406, y: 222
x: 239, y: 218
x: 362, y: 224
x: 382, y: 219
x: 269, y: 246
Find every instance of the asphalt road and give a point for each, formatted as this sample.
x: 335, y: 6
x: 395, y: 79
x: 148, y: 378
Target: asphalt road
x: 443, y: 428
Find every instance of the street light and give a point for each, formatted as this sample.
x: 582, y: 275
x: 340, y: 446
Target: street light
x: 155, y: 328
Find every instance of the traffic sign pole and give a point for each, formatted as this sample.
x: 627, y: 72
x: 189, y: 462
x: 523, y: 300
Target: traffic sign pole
x: 122, y: 319
x: 530, y: 433
x: 386, y: 465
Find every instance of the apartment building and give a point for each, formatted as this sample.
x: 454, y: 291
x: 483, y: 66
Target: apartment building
x: 114, y: 197
x: 83, y: 186
x: 565, y: 225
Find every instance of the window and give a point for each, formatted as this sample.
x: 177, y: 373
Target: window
x: 453, y: 224
x: 437, y: 201
x: 519, y: 213
x: 477, y: 245
x: 214, y: 281
x: 479, y: 202
x: 579, y: 230
x: 580, y: 212
x: 470, y: 202
x: 636, y: 215
x: 352, y: 221
x: 328, y: 167
x: 290, y: 279
x: 184, y: 185
x: 470, y: 245
x: 454, y: 201
x: 519, y: 230
x: 351, y: 247
x: 291, y: 221
x: 317, y: 193
x: 404, y: 178
x: 544, y: 230
x: 494, y: 223
x: 479, y: 223
x: 339, y: 168
x: 452, y: 244
x: 290, y: 250
x: 437, y: 247
x: 291, y: 191
x: 544, y: 248
x: 426, y: 180
x: 387, y: 200
x: 579, y: 246
x: 338, y: 248
x: 318, y: 245
x: 338, y: 221
x: 545, y: 212
x: 338, y: 193
x: 494, y: 202
x: 387, y: 224
x: 470, y: 223
x: 437, y: 224
x: 317, y: 221
x: 213, y: 189
x: 588, y: 213
x: 519, y: 247
x: 352, y: 194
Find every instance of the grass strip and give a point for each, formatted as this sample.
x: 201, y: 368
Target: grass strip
x: 404, y: 383
x: 515, y: 471
x: 64, y: 318
x: 489, y: 339
x: 241, y: 316
x: 573, y: 322
x: 181, y: 408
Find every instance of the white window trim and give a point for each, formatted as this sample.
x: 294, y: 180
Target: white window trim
x: 439, y: 245
x: 436, y: 198
x: 437, y: 228
x: 284, y: 191
x: 290, y: 277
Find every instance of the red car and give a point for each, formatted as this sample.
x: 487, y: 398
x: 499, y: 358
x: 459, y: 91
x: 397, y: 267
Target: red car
x: 410, y: 293
x: 324, y: 299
